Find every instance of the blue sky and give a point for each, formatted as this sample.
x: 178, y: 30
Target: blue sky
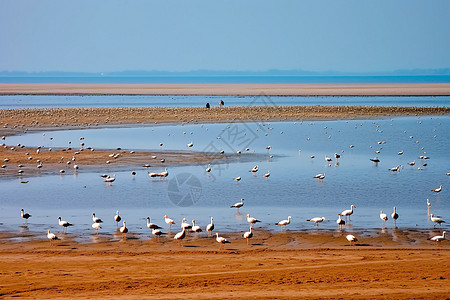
x: 104, y: 36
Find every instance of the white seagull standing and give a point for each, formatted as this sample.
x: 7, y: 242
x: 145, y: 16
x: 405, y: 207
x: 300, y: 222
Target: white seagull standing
x: 438, y: 238
x: 168, y: 221
x: 284, y: 222
x: 238, y: 204
x: 185, y: 225
x: 248, y: 235
x: 348, y: 212
x: 150, y: 225
x: 117, y: 218
x: 255, y: 169
x: 395, y: 216
x: 124, y: 229
x: 210, y: 227
x: 180, y: 235
x: 316, y: 220
x: 221, y: 240
x: 51, y: 236
x: 352, y: 239
x: 340, y: 222
x: 436, y: 219
x: 64, y: 224
x: 96, y: 226
x: 95, y: 219
x: 252, y: 220
x: 383, y: 217
x: 25, y: 215
x: 196, y: 228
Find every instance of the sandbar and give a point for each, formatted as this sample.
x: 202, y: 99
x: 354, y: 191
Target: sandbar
x: 297, y: 89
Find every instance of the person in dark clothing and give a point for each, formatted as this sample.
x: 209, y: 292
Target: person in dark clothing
x: 221, y: 103
x: 207, y: 105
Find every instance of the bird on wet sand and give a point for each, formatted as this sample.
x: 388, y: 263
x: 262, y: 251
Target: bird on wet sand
x: 438, y: 238
x: 352, y: 239
x: 248, y: 234
x: 210, y: 227
x: 221, y: 240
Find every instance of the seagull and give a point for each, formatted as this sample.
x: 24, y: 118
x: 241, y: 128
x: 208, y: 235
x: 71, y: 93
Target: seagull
x: 396, y: 169
x: 110, y: 179
x: 400, y: 153
x: 164, y: 174
x: 316, y: 220
x: 412, y: 163
x: 117, y: 218
x: 383, y: 217
x: 210, y: 227
x: 352, y: 239
x: 348, y: 212
x: 238, y: 204
x: 320, y: 176
x: 180, y: 235
x: 51, y: 236
x: 340, y: 222
x: 185, y: 225
x: 96, y: 226
x: 252, y: 220
x: 151, y: 225
x: 436, y: 219
x: 327, y: 158
x: 195, y: 228
x: 284, y: 222
x: 124, y: 228
x: 438, y: 189
x: 395, y: 216
x: 375, y: 160
x: 248, y: 235
x: 208, y: 169
x: 64, y: 224
x: 267, y: 174
x: 24, y: 215
x: 168, y: 221
x: 237, y: 178
x: 156, y: 232
x: 191, y: 144
x: 438, y: 238
x: 221, y: 240
x: 337, y: 156
x: 255, y: 169
x: 95, y: 219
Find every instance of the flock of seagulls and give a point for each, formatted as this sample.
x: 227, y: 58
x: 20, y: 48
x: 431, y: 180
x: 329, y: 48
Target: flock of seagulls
x: 186, y: 227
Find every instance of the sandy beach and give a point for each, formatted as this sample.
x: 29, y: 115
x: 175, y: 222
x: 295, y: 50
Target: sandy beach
x: 314, y: 264
x: 343, y: 89
x: 308, y: 265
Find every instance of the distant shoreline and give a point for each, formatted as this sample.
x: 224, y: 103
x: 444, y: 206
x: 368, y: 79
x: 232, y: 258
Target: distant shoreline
x: 229, y: 89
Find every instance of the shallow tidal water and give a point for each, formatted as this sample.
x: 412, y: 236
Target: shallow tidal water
x: 192, y: 193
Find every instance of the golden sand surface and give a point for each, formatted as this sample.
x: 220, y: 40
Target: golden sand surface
x: 322, y: 89
x: 274, y: 265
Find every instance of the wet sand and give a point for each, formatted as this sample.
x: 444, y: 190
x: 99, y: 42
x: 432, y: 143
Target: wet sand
x: 54, y: 160
x: 323, y: 89
x: 13, y: 121
x: 308, y: 264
